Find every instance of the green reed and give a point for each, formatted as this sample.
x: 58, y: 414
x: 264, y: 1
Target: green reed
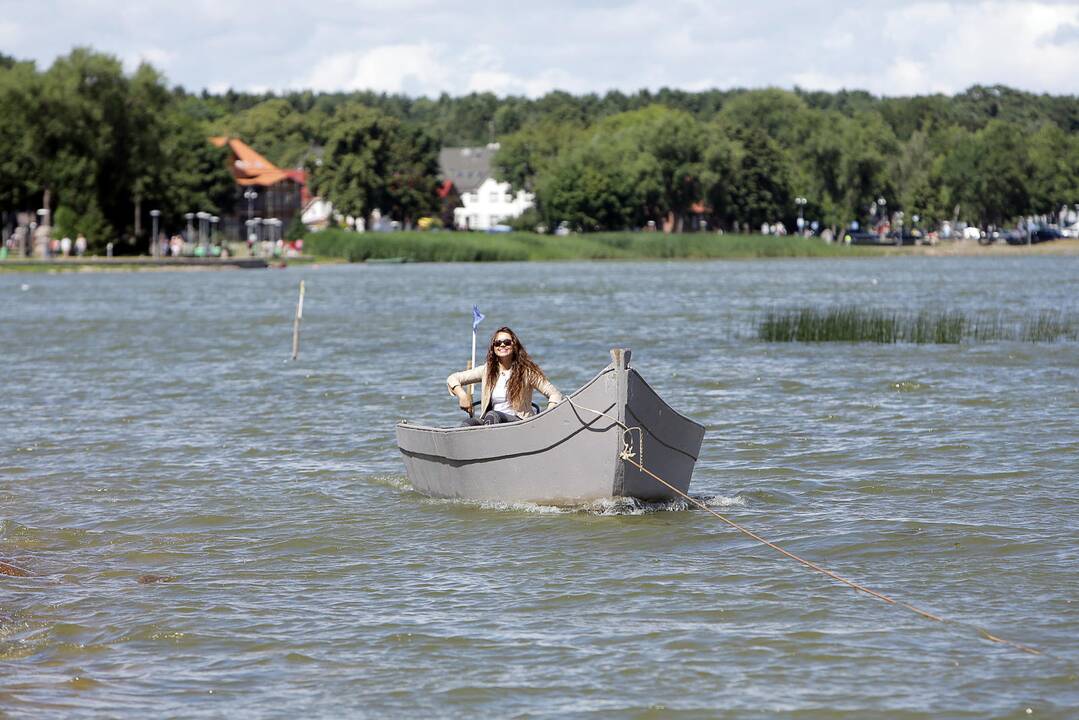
x: 857, y: 324
x: 1050, y: 327
x: 518, y: 246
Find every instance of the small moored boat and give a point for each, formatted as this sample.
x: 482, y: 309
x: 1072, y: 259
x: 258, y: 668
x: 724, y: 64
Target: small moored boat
x: 569, y: 454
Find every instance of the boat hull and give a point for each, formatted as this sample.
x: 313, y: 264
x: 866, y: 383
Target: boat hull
x: 570, y: 454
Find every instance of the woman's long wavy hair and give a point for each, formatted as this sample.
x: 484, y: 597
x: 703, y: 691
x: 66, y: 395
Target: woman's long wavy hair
x: 522, y: 368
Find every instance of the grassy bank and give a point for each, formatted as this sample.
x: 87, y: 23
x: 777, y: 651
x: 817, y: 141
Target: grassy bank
x: 482, y: 247
x: 856, y: 324
x: 125, y: 264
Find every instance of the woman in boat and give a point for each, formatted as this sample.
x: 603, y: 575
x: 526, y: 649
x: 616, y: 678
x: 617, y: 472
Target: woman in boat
x: 508, y: 378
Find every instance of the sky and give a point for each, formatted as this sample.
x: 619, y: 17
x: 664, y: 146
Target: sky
x: 427, y: 47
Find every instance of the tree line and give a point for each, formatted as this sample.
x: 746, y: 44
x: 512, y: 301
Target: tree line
x: 102, y: 147
x: 107, y: 146
x: 767, y: 155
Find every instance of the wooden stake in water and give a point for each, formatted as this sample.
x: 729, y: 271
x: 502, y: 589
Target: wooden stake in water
x: 296, y: 325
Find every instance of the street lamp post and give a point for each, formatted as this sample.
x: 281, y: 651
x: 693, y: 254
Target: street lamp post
x: 882, y: 213
x: 43, y: 213
x: 154, y: 215
x: 801, y: 203
x: 203, y: 216
x: 190, y: 230
x: 250, y: 194
x: 256, y: 228
x: 271, y: 239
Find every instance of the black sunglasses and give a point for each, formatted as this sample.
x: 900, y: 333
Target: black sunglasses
x: 502, y: 343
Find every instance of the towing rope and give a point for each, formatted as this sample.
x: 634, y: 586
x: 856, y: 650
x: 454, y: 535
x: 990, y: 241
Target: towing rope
x: 627, y: 455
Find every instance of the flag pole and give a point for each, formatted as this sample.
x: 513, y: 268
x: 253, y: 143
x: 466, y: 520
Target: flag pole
x: 477, y: 318
x: 472, y: 364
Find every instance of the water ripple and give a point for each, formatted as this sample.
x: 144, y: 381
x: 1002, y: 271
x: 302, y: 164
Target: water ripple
x: 215, y: 531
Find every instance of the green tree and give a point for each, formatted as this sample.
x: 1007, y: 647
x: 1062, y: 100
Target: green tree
x: 817, y: 166
x: 530, y: 151
x: 631, y: 168
x: 722, y: 158
x: 276, y: 130
x: 986, y: 174
x: 355, y: 160
x: 761, y: 192
x: 411, y: 187
x: 779, y: 114
x: 372, y: 161
x: 21, y: 160
x: 663, y: 150
x: 84, y: 134
x: 194, y: 175
x: 912, y: 172
x: 865, y: 163
x: 587, y: 191
x: 1054, y: 160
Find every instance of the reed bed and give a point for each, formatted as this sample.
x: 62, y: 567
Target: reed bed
x: 518, y: 246
x: 857, y: 324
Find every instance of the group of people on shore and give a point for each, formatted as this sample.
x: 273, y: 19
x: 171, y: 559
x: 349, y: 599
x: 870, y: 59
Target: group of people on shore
x: 20, y: 242
x: 65, y: 246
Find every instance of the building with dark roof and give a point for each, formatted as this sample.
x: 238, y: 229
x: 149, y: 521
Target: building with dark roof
x: 466, y: 167
x: 484, y: 202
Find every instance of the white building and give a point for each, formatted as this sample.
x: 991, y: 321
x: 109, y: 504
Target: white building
x: 317, y: 214
x: 491, y: 204
x: 485, y: 201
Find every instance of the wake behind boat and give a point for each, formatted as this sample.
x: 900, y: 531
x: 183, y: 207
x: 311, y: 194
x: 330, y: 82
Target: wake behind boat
x: 569, y: 454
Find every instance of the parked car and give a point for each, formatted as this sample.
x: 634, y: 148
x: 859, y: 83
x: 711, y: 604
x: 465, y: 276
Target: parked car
x: 994, y: 235
x: 908, y: 236
x: 1042, y: 233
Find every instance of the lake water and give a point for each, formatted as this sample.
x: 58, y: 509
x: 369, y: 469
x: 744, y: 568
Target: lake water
x: 152, y: 424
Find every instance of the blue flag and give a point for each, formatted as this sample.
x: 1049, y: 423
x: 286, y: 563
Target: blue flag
x: 477, y: 317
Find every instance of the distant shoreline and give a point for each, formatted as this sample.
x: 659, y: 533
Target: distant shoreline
x: 970, y: 248
x: 128, y: 263
x: 509, y: 247
x: 475, y: 247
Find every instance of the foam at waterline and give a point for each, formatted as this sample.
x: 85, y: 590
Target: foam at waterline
x: 397, y: 482
x: 606, y: 506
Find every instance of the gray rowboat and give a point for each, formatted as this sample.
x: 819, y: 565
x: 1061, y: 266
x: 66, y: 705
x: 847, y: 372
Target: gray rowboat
x: 566, y: 455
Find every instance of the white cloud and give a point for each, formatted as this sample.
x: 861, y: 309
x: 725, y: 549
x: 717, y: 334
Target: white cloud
x: 495, y: 81
x: 9, y: 31
x: 555, y: 79
x: 1063, y: 35
x: 428, y: 47
x: 946, y: 47
x: 160, y: 58
x: 412, y: 69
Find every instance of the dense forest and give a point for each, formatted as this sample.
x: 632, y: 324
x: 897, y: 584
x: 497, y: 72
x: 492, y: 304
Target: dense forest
x: 106, y: 146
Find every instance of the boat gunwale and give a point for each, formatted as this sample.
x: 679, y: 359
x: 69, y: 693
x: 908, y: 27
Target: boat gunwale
x: 519, y: 423
x: 510, y: 425
x: 585, y: 425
